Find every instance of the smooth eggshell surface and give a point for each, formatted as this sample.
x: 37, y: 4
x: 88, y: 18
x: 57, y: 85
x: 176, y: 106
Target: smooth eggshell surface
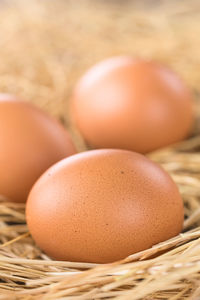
x: 30, y: 142
x: 103, y: 205
x: 131, y: 104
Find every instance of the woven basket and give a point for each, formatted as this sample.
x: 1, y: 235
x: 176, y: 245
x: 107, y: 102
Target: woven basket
x: 44, y: 47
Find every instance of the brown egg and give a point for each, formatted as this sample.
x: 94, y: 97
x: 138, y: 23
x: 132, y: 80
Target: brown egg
x: 103, y: 205
x: 131, y: 104
x: 31, y: 141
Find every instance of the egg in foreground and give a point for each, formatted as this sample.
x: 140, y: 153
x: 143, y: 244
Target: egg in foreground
x: 31, y: 141
x: 103, y: 205
x: 131, y: 104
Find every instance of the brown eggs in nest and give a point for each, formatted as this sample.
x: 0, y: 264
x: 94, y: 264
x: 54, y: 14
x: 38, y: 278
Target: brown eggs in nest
x: 30, y: 142
x: 103, y: 205
x: 131, y: 104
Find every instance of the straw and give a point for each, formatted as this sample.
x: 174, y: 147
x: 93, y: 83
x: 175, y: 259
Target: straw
x: 45, y: 46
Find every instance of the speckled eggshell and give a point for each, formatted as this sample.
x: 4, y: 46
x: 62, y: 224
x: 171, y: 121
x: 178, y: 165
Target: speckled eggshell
x: 103, y: 205
x: 30, y: 142
x: 131, y: 104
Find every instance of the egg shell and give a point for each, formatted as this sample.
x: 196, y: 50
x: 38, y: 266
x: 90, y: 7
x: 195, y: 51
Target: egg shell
x: 131, y: 104
x: 103, y: 205
x: 31, y: 141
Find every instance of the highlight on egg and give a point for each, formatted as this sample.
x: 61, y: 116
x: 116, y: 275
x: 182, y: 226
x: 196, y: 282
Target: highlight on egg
x: 31, y: 141
x: 131, y: 104
x: 100, y: 206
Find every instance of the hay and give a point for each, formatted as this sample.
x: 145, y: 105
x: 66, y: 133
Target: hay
x: 44, y: 47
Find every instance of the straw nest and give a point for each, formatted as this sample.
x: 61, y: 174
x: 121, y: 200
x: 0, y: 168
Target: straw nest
x: 44, y: 47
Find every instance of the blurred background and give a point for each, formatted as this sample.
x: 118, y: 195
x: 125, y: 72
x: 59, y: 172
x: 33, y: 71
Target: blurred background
x: 46, y: 45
